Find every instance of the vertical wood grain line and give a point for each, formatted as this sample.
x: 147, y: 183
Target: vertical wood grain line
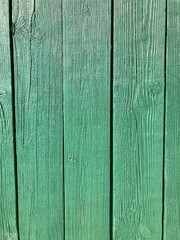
x: 63, y: 147
x: 14, y: 116
x: 111, y: 122
x: 164, y: 130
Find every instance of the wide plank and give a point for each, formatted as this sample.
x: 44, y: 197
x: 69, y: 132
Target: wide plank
x: 8, y: 219
x: 38, y: 84
x: 86, y: 67
x: 138, y: 119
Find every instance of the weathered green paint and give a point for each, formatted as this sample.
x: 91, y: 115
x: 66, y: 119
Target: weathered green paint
x: 172, y: 150
x: 138, y: 93
x: 67, y: 128
x: 38, y: 86
x: 7, y: 179
x: 86, y: 68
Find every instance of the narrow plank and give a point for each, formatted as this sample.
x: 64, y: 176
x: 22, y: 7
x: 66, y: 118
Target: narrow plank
x: 172, y: 150
x: 138, y: 118
x: 38, y: 82
x: 8, y: 226
x: 86, y: 44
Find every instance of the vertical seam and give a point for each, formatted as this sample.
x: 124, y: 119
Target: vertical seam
x: 14, y: 117
x: 164, y: 127
x: 111, y: 119
x: 63, y: 145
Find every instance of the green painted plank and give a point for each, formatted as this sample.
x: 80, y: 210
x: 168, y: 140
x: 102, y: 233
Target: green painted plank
x: 86, y: 45
x: 138, y: 118
x: 8, y: 226
x: 172, y: 151
x: 38, y: 83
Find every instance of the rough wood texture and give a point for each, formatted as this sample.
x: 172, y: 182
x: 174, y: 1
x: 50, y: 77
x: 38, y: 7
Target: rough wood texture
x: 7, y: 178
x: 172, y: 151
x: 86, y: 44
x: 38, y: 85
x: 65, y: 80
x: 138, y: 118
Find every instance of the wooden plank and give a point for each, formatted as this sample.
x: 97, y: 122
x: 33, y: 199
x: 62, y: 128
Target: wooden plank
x: 138, y: 118
x: 172, y: 150
x: 86, y: 69
x: 8, y: 225
x: 38, y: 82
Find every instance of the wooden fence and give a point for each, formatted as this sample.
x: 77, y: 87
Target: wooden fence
x: 89, y: 120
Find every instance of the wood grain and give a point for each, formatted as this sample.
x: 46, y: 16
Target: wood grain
x: 86, y: 69
x: 8, y: 225
x: 172, y: 151
x: 138, y: 118
x: 38, y: 83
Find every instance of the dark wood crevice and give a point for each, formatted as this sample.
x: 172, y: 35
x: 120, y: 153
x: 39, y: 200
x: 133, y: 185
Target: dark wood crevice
x: 111, y: 121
